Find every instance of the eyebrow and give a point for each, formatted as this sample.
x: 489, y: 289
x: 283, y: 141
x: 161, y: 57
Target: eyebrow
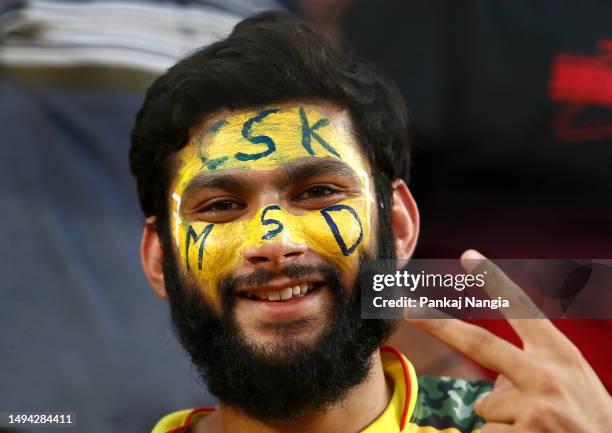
x: 221, y: 180
x: 315, y: 167
x: 296, y: 172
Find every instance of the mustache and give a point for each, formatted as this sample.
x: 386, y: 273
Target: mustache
x: 262, y: 276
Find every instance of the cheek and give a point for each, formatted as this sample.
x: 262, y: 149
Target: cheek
x: 339, y: 232
x: 210, y: 252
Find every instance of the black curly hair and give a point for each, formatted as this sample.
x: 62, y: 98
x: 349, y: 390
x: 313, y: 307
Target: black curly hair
x: 271, y: 57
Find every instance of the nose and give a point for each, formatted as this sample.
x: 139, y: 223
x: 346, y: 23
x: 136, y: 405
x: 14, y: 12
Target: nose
x: 274, y: 255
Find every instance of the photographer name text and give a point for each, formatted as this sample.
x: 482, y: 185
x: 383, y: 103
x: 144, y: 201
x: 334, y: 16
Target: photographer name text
x: 445, y: 302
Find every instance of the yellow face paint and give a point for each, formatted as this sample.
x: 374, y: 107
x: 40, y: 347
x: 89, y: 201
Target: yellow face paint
x: 265, y: 140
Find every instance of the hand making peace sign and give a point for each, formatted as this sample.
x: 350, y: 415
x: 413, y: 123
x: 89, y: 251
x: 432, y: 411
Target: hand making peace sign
x: 547, y: 386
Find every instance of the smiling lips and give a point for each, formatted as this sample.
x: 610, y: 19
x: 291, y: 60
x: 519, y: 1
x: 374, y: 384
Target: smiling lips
x: 297, y: 291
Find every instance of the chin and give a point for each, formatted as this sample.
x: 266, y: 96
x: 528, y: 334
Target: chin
x: 273, y: 337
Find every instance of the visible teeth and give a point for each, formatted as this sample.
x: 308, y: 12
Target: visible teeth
x: 281, y: 295
x: 274, y: 295
x: 286, y: 293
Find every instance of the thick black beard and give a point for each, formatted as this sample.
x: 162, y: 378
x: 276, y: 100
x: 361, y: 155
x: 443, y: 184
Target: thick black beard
x: 292, y: 378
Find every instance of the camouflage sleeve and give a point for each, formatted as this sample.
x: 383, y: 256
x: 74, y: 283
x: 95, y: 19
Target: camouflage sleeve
x: 449, y: 403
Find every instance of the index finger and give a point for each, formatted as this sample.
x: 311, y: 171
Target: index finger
x: 481, y: 346
x: 498, y: 284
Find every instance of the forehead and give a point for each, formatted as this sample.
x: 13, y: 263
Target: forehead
x: 269, y: 137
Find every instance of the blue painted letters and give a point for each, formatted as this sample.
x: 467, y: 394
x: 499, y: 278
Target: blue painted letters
x: 336, y: 232
x: 265, y: 222
x: 191, y: 234
x: 308, y: 133
x: 257, y: 139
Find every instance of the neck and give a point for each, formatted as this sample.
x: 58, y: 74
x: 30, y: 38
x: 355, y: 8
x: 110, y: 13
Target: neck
x: 364, y: 404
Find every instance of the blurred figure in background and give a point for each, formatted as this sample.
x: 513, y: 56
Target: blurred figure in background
x: 75, y: 335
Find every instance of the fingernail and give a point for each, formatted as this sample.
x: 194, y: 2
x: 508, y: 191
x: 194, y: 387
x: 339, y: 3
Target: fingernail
x: 470, y: 259
x: 472, y: 255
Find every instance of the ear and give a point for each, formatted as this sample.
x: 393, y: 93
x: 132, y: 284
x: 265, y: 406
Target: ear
x: 404, y: 222
x: 152, y: 257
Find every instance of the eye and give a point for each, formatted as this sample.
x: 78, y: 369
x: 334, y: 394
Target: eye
x: 318, y: 191
x: 225, y: 205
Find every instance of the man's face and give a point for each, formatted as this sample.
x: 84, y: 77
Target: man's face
x: 264, y: 205
x: 272, y: 212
